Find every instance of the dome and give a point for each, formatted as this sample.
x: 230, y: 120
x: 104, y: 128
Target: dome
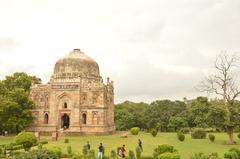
x: 76, y: 64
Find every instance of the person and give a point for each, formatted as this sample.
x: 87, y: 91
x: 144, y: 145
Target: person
x: 88, y: 146
x: 100, y: 151
x: 123, y: 150
x: 140, y: 145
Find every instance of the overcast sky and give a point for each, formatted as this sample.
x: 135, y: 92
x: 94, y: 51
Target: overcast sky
x: 152, y: 49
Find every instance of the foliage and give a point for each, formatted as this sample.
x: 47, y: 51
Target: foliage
x: 131, y: 154
x: 201, y: 155
x: 69, y: 149
x: 138, y: 152
x: 91, y: 154
x: 57, y: 151
x: 129, y: 114
x: 27, y: 139
x: 164, y: 149
x: 211, y: 137
x: 238, y: 135
x: 66, y: 140
x: 113, y: 154
x: 15, y: 103
x: 38, y: 154
x: 185, y: 130
x: 198, y: 133
x: 135, y: 130
x: 181, y: 136
x: 169, y: 156
x: 84, y: 151
x: 154, y: 132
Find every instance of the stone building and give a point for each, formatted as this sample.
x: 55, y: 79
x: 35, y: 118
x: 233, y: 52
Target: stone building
x: 75, y: 99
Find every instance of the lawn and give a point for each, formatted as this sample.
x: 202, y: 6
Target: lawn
x: 110, y: 142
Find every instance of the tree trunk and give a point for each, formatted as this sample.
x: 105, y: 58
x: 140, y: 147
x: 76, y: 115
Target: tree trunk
x: 230, y: 135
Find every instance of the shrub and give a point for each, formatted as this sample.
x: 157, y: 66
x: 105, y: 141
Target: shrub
x: 155, y: 154
x: 138, y: 152
x: 211, y: 137
x: 66, y: 140
x: 84, y: 151
x: 135, y: 130
x: 185, y: 130
x: 26, y: 139
x: 57, y: 151
x: 43, y: 142
x: 238, y: 135
x: 131, y: 155
x: 198, y: 133
x: 201, y: 155
x: 37, y: 153
x: 169, y: 156
x: 69, y: 150
x: 165, y: 148
x: 113, y: 154
x: 181, y: 136
x: 231, y: 155
x: 91, y: 154
x: 154, y: 132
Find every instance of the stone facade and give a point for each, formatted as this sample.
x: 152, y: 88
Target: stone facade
x: 75, y: 99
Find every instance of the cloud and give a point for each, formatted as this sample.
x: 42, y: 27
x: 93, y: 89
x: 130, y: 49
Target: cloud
x: 8, y: 44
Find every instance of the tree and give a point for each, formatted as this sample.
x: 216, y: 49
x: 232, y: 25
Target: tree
x: 224, y: 83
x: 15, y: 103
x: 26, y: 139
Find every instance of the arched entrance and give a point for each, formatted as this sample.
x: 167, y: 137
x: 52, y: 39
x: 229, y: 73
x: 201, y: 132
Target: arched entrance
x: 46, y: 118
x: 65, y: 121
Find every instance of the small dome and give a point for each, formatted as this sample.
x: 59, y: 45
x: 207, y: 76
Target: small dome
x: 76, y: 64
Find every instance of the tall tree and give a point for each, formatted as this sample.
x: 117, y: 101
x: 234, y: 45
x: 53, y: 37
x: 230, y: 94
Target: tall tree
x: 224, y: 82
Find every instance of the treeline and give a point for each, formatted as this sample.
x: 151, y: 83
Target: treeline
x: 168, y: 116
x: 15, y: 104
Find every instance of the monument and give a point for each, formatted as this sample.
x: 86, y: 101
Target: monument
x: 75, y: 100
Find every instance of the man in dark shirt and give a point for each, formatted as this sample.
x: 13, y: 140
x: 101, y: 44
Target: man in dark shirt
x: 100, y: 151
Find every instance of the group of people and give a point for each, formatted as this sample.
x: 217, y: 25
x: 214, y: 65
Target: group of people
x: 121, y: 151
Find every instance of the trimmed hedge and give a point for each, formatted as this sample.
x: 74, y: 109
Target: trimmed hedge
x: 181, y: 136
x: 169, y: 156
x: 154, y: 132
x: 198, y: 133
x: 211, y: 137
x: 135, y: 130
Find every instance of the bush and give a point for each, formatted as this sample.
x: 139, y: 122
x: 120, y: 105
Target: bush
x: 135, y: 130
x: 131, y: 155
x: 169, y: 156
x: 211, y: 137
x: 238, y: 135
x: 198, y: 133
x: 84, y: 151
x: 26, y: 139
x: 43, y: 142
x: 201, y: 155
x: 57, y: 151
x: 181, y: 136
x: 69, y: 150
x: 164, y: 149
x: 91, y: 154
x: 66, y: 140
x: 233, y: 153
x: 37, y: 153
x: 185, y: 130
x: 113, y: 154
x: 154, y: 132
x: 138, y: 152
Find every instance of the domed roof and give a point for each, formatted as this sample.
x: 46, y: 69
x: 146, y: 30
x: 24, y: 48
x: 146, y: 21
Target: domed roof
x: 76, y: 64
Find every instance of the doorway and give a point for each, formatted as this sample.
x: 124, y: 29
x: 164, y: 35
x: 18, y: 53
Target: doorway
x: 65, y: 121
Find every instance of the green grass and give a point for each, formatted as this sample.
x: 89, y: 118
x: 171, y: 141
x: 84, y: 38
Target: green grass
x: 186, y: 148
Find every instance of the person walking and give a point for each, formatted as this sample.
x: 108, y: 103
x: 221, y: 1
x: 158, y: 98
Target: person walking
x: 100, y: 151
x: 123, y: 151
x: 140, y: 145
